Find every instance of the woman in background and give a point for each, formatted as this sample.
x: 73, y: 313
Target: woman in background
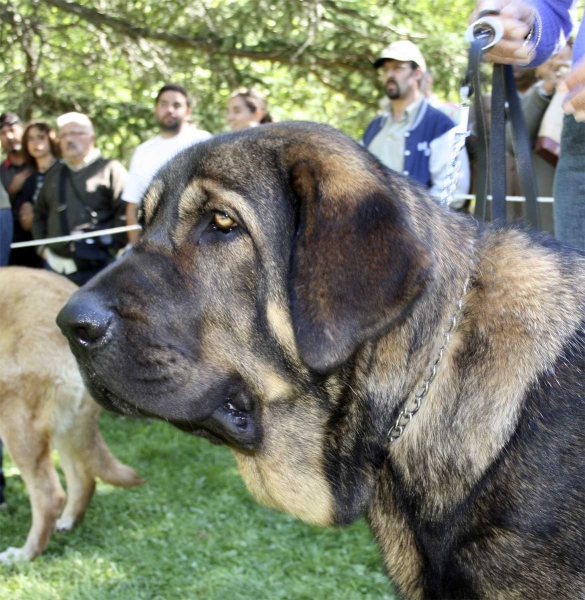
x: 246, y: 108
x: 40, y: 144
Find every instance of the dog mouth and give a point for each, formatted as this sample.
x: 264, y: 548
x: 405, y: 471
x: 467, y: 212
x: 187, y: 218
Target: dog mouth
x: 104, y: 396
x: 239, y: 419
x: 230, y: 416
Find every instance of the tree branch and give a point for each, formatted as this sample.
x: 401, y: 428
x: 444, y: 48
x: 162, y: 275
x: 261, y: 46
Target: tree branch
x: 282, y: 52
x: 357, y: 16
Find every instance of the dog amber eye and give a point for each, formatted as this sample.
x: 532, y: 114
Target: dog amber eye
x: 223, y: 221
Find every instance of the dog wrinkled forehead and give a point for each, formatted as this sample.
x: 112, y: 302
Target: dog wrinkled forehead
x: 232, y: 161
x: 259, y: 163
x: 260, y: 152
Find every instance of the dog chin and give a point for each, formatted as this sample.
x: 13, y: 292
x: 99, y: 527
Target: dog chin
x: 108, y: 400
x: 235, y: 422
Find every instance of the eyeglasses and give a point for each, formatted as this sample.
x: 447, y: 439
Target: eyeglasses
x: 396, y: 67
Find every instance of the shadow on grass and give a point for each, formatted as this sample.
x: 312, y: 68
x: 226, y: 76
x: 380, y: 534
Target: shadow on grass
x: 191, y: 531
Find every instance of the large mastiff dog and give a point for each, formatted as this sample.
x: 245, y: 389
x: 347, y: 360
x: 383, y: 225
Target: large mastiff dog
x: 293, y: 299
x: 43, y: 404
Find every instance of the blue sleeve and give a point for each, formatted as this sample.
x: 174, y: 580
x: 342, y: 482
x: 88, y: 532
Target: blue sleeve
x: 439, y: 121
x: 556, y: 24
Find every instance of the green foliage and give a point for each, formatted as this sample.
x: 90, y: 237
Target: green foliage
x: 312, y: 58
x: 191, y: 531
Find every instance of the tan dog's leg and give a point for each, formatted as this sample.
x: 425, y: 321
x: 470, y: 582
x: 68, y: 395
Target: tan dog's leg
x: 109, y: 469
x: 32, y: 455
x: 80, y: 486
x: 85, y: 456
x: 103, y: 463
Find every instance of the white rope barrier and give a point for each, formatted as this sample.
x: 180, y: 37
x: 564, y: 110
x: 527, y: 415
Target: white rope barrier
x: 543, y: 199
x: 100, y: 232
x: 75, y: 236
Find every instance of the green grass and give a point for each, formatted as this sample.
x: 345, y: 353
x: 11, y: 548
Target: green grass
x: 191, y: 531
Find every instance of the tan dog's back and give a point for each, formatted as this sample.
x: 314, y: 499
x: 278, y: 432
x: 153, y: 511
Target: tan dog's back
x: 43, y: 402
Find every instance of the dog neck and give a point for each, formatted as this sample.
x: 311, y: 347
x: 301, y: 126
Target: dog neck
x: 417, y: 397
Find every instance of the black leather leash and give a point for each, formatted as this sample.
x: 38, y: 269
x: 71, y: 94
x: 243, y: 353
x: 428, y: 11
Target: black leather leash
x: 522, y: 148
x: 491, y: 151
x: 473, y: 80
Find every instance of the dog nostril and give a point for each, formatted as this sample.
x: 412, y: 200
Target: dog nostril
x: 84, y: 320
x: 82, y: 335
x: 88, y: 334
x: 87, y: 331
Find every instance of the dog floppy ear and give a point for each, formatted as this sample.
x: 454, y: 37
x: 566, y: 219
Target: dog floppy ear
x: 357, y: 264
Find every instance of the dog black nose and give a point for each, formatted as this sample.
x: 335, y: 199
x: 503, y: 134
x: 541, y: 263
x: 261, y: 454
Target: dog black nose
x: 84, y: 320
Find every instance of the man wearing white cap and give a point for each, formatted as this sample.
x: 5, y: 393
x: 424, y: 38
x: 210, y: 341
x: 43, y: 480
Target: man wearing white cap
x: 413, y: 137
x: 82, y: 194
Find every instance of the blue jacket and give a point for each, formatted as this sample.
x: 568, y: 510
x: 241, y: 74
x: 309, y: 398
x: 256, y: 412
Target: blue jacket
x: 430, y: 125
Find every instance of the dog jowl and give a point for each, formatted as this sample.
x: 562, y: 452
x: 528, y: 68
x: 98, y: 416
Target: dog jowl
x: 289, y: 297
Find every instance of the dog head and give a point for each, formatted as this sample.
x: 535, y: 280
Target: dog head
x: 268, y: 259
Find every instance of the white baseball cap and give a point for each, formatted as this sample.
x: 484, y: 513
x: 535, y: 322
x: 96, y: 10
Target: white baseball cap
x: 74, y: 117
x: 402, y: 50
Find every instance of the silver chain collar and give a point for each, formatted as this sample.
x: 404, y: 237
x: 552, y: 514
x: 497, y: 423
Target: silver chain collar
x: 412, y: 407
x: 460, y: 135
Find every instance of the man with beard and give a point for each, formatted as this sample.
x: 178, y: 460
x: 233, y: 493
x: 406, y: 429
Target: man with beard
x: 81, y: 194
x: 172, y: 110
x: 412, y: 137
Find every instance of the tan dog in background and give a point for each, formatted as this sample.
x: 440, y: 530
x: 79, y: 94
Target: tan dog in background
x: 44, y: 403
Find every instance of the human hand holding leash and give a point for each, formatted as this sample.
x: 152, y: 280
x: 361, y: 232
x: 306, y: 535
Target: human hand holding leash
x: 518, y: 44
x: 517, y: 18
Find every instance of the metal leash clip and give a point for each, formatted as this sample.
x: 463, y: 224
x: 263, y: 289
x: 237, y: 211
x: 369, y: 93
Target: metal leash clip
x: 487, y: 28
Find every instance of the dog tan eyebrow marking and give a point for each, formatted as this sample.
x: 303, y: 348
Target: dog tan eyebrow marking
x: 227, y: 199
x: 206, y: 193
x: 192, y: 199
x: 151, y: 199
